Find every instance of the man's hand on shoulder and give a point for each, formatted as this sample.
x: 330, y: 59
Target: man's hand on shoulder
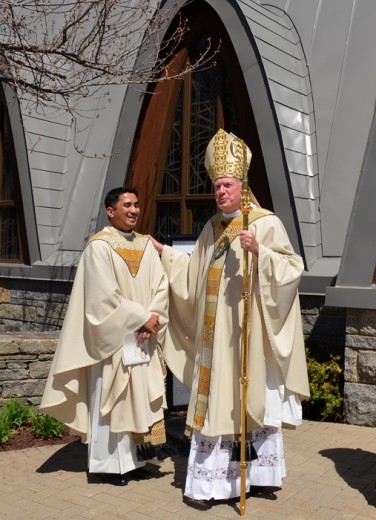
x: 158, y: 246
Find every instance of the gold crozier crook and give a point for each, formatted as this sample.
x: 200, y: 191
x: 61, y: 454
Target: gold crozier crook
x: 239, y: 149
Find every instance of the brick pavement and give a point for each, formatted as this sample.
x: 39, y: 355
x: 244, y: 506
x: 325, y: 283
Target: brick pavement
x: 331, y: 472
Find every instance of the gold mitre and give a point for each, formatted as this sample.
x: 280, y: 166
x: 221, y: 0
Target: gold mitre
x: 224, y: 156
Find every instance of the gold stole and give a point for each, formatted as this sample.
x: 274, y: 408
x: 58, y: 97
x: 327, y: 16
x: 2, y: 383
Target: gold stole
x: 225, y: 231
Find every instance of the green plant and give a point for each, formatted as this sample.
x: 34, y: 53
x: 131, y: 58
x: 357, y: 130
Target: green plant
x: 5, y: 428
x: 17, y: 413
x: 45, y: 426
x: 325, y: 381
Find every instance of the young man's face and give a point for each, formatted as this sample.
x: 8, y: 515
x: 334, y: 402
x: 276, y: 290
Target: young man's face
x: 227, y: 191
x: 126, y: 212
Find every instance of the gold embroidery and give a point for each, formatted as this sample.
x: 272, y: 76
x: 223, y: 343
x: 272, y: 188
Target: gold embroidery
x: 224, y: 156
x: 155, y: 436
x: 132, y: 258
x: 225, y: 231
x: 131, y: 249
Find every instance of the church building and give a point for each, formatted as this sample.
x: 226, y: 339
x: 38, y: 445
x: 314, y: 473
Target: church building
x: 296, y: 80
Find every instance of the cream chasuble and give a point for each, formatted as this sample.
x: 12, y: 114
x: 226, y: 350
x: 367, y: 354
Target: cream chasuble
x: 119, y: 282
x: 277, y: 367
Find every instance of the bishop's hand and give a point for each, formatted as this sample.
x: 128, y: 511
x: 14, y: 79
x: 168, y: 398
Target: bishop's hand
x: 248, y: 241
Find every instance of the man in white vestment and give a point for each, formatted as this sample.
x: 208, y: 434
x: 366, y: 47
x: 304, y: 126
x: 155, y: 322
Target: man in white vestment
x: 107, y: 379
x: 203, y: 340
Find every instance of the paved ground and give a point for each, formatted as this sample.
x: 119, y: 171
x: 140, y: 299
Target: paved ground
x: 331, y: 475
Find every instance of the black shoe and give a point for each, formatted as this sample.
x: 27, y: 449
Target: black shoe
x: 115, y: 479
x: 202, y: 505
x: 267, y: 492
x: 140, y: 474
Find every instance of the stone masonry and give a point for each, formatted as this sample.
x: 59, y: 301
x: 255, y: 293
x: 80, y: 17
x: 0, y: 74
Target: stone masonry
x: 324, y: 328
x: 360, y: 367
x: 32, y: 305
x: 25, y: 359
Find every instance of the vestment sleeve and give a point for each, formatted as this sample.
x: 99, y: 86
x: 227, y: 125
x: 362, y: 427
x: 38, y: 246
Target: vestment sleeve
x: 279, y: 271
x: 159, y: 289
x: 187, y: 279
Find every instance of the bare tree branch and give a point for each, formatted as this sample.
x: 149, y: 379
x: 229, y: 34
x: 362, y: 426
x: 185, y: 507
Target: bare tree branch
x: 56, y: 49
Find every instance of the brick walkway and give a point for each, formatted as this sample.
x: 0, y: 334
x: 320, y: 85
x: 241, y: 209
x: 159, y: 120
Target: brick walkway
x: 331, y: 475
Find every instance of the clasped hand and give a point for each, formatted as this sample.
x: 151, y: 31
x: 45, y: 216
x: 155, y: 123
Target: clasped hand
x: 152, y: 326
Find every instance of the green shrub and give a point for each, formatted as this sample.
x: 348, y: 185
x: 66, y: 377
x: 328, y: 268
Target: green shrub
x: 5, y: 428
x: 17, y: 412
x: 15, y: 415
x: 45, y: 426
x: 12, y: 416
x: 326, y: 386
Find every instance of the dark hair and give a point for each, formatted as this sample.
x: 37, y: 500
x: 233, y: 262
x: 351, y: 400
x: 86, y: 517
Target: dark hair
x: 113, y: 196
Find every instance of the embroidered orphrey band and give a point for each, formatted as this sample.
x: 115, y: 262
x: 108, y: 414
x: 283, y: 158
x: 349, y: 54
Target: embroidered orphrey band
x: 131, y: 249
x: 225, y: 231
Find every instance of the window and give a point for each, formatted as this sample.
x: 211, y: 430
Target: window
x: 179, y: 118
x: 11, y: 215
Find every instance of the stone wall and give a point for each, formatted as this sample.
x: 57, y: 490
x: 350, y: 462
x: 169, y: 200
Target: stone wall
x: 32, y: 305
x: 31, y: 316
x: 324, y: 328
x: 360, y: 367
x: 25, y: 359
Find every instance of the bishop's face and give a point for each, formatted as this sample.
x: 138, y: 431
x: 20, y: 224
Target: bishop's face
x: 227, y: 191
x: 125, y: 214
